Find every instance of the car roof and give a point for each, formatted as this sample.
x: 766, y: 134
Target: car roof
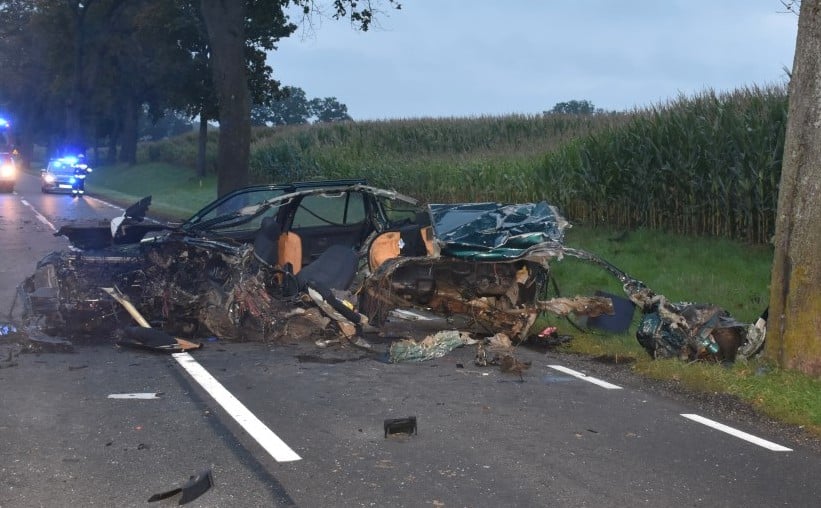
x: 289, y: 192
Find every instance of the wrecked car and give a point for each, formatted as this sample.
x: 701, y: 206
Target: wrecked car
x: 326, y: 261
x: 327, y: 258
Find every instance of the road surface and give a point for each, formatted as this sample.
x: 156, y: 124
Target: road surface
x: 104, y: 426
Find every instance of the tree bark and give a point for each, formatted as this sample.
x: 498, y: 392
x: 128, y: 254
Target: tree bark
x: 202, y: 142
x: 128, y: 148
x: 74, y: 104
x: 225, y: 20
x: 794, y: 324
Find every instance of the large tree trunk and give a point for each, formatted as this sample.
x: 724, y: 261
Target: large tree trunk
x: 76, y: 97
x: 113, y: 138
x: 224, y: 20
x: 794, y: 325
x: 131, y: 111
x: 202, y: 142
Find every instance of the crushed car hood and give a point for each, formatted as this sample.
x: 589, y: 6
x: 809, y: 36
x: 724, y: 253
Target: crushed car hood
x: 494, y: 231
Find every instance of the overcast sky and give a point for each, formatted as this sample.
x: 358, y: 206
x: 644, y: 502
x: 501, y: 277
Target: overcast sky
x: 463, y: 58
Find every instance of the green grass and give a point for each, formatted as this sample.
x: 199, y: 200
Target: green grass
x: 731, y: 274
x: 176, y: 192
x: 784, y: 395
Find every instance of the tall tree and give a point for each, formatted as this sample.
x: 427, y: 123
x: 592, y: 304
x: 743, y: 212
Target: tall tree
x: 574, y: 107
x: 226, y: 31
x: 794, y: 324
x: 329, y: 110
x: 291, y: 108
x: 228, y: 24
x: 234, y: 28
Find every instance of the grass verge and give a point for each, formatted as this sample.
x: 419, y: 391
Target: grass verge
x: 176, y: 192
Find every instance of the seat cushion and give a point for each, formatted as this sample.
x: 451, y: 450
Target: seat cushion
x: 333, y: 269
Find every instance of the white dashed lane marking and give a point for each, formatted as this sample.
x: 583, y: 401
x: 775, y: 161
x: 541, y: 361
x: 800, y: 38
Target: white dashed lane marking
x: 39, y: 216
x: 737, y: 433
x: 585, y: 377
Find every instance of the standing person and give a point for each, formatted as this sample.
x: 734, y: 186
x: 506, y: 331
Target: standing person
x: 81, y: 170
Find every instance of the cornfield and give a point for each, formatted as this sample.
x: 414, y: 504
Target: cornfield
x: 709, y: 165
x: 703, y: 165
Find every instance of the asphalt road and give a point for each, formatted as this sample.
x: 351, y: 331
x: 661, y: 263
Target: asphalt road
x: 484, y: 438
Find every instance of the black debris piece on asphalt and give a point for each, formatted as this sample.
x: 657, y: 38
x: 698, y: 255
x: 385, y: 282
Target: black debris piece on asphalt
x: 154, y: 339
x: 405, y: 425
x: 196, y: 486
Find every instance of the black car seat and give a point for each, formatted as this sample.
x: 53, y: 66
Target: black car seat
x: 333, y: 269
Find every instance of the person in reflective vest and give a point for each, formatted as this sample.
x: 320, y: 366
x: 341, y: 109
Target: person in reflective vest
x: 81, y: 170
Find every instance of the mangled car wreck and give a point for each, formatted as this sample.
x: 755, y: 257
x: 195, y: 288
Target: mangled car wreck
x: 329, y: 260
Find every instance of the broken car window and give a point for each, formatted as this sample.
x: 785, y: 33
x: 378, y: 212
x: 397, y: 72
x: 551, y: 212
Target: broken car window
x: 231, y: 205
x: 330, y: 209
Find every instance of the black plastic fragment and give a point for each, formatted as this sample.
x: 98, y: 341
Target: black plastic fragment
x: 148, y: 338
x: 192, y: 489
x: 155, y: 340
x: 400, y: 426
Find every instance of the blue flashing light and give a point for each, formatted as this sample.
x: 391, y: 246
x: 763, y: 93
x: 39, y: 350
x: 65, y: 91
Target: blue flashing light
x: 4, y: 124
x: 72, y: 180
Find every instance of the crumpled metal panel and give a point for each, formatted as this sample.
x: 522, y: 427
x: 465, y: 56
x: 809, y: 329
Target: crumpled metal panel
x: 495, y: 231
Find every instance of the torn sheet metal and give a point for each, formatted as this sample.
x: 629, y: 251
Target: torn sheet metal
x: 684, y: 330
x: 494, y: 231
x: 477, y: 268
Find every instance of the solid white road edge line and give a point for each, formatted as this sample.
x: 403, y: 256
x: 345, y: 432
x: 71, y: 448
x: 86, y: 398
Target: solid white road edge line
x: 737, y: 433
x: 263, y: 435
x: 585, y: 377
x: 39, y: 216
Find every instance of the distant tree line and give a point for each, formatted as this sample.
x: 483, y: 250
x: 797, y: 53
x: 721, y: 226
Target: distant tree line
x: 574, y: 107
x: 106, y: 73
x: 293, y: 108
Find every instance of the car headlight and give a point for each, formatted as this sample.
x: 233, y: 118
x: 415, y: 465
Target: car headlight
x: 49, y: 178
x: 8, y: 170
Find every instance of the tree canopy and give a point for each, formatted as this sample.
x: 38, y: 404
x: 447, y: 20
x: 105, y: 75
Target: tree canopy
x: 84, y: 74
x: 294, y: 108
x: 574, y: 107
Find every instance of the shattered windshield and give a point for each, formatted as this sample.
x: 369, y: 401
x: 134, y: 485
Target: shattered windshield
x: 479, y: 228
x: 218, y: 215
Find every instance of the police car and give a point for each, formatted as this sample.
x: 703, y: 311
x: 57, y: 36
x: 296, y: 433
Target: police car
x: 58, y: 175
